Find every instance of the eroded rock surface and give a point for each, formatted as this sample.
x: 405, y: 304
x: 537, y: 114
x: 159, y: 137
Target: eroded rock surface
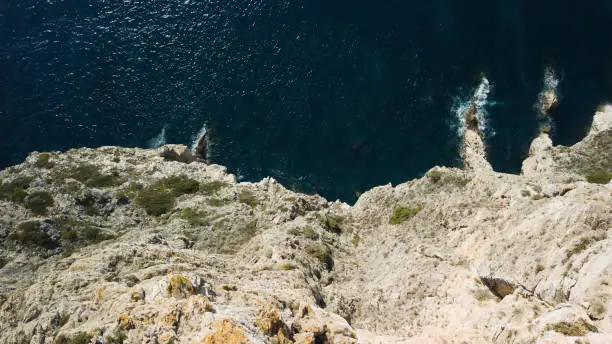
x: 118, y: 245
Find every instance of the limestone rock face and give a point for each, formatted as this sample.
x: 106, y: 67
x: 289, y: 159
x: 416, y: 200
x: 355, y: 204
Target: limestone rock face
x: 590, y: 157
x: 602, y: 120
x: 473, y: 152
x: 176, y: 153
x: 540, y: 160
x: 149, y: 246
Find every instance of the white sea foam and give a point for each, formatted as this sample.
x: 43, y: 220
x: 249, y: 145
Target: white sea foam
x: 482, y: 93
x: 196, y: 138
x: 478, y: 101
x: 205, y: 134
x: 458, y: 108
x: 549, y: 96
x: 159, y: 140
x: 551, y: 81
x: 239, y: 175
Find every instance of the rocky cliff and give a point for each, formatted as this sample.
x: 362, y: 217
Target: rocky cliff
x: 118, y: 245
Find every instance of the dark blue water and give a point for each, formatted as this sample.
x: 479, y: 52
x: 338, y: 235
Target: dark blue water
x: 327, y: 96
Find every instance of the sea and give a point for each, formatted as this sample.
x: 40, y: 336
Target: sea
x: 330, y: 97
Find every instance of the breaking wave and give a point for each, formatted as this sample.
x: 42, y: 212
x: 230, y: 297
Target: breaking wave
x: 479, y: 102
x: 549, y: 96
x: 196, y: 138
x: 207, y: 147
x: 158, y: 140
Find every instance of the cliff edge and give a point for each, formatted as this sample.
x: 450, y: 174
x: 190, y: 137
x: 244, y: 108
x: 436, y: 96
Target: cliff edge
x: 119, y: 245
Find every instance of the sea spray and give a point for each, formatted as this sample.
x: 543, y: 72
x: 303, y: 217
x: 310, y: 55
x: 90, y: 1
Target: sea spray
x: 549, y: 96
x: 158, y: 140
x: 547, y: 99
x: 200, y: 143
x: 477, y: 105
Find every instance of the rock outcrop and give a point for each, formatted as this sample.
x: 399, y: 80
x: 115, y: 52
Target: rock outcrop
x: 118, y: 245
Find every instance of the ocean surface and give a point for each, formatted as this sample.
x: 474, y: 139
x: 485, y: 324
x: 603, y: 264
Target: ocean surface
x: 332, y: 97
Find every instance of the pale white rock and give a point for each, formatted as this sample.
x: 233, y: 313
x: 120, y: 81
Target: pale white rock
x: 473, y: 152
x: 179, y: 153
x: 475, y: 257
x: 602, y: 120
x: 540, y: 160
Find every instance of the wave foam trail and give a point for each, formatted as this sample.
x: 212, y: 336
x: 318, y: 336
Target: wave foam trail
x: 549, y: 96
x: 474, y: 109
x: 159, y: 140
x: 200, y: 143
x: 195, y: 139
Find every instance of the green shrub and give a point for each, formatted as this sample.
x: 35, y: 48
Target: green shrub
x: 159, y: 198
x: 334, y: 223
x: 442, y: 178
x: 21, y: 182
x: 179, y: 185
x: 3, y: 262
x: 75, y: 234
x: 322, y: 253
x: 80, y: 173
x: 39, y: 201
x: 287, y: 266
x: 18, y: 195
x: 310, y: 233
x: 134, y: 187
x: 307, y: 232
x: 582, y: 245
x: 578, y: 329
x: 43, y: 161
x: 130, y: 193
x: 69, y: 251
x: 11, y: 194
x: 599, y: 177
x: 15, y: 191
x: 83, y: 172
x: 118, y: 339
x: 94, y: 235
x: 294, y: 231
x: 77, y: 338
x: 30, y: 233
x: 69, y: 235
x: 193, y: 217
x: 356, y: 239
x: 155, y: 201
x: 434, y: 176
x: 63, y: 318
x: 212, y: 187
x: 246, y: 196
x: 401, y: 214
x: 225, y: 235
x: 104, y: 180
x: 215, y: 202
x: 460, y: 181
x: 89, y: 175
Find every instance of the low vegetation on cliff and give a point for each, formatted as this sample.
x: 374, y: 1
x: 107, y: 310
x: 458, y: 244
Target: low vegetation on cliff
x: 118, y: 245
